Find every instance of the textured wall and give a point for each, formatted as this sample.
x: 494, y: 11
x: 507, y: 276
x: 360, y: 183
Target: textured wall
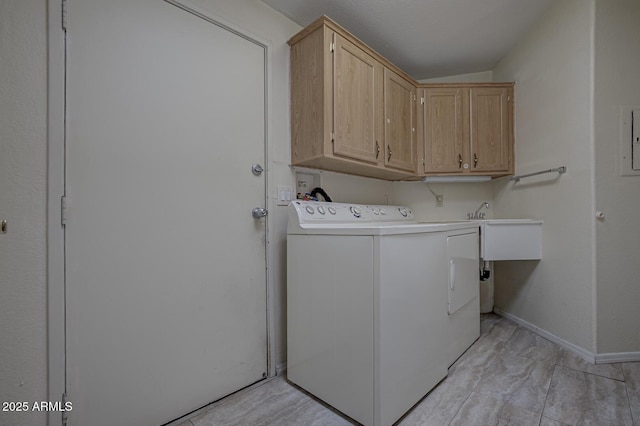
x: 553, y: 70
x: 23, y: 166
x: 475, y: 77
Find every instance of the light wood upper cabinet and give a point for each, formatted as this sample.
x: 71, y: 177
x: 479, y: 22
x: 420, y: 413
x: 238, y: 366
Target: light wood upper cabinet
x: 342, y: 94
x: 353, y: 111
x: 468, y: 129
x: 490, y: 139
x: 399, y: 122
x: 357, y: 96
x: 445, y: 129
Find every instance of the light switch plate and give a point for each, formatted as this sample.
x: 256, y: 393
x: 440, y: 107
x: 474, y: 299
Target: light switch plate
x: 285, y: 195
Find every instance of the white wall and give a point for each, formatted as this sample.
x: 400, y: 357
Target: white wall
x: 474, y: 77
x: 552, y: 68
x: 23, y: 197
x: 459, y: 199
x: 617, y: 82
x: 354, y: 189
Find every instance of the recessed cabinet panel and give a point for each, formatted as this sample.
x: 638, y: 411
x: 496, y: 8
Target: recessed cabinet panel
x: 489, y: 129
x: 357, y: 102
x: 399, y: 123
x: 444, y: 130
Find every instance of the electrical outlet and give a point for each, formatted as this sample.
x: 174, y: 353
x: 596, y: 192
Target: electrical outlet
x: 439, y: 200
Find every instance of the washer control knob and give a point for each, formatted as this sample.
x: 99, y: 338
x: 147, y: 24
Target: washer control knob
x: 355, y: 211
x: 383, y: 212
x: 375, y: 211
x: 309, y: 209
x: 321, y: 210
x: 403, y: 212
x: 332, y: 210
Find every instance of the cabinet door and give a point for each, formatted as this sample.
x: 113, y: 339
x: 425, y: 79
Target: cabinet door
x: 357, y: 102
x: 490, y: 135
x: 399, y: 122
x: 445, y: 128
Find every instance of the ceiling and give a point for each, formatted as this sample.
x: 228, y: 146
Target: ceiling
x: 428, y: 38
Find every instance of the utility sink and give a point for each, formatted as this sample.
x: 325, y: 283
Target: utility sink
x: 510, y: 239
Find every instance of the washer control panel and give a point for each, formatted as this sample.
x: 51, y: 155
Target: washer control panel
x: 308, y: 212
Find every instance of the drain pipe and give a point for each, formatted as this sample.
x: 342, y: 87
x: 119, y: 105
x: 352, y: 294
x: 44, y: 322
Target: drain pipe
x: 485, y: 271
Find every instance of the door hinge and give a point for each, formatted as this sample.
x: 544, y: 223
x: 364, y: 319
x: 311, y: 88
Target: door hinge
x: 332, y: 47
x: 333, y: 137
x: 422, y: 101
x: 63, y: 210
x: 64, y: 15
x: 65, y: 413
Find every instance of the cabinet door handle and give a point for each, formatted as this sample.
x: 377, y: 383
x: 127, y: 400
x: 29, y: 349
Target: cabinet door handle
x: 475, y: 160
x: 377, y: 150
x: 459, y: 161
x: 389, y: 155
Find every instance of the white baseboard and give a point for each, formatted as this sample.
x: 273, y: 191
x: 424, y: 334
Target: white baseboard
x: 583, y: 353
x: 617, y: 357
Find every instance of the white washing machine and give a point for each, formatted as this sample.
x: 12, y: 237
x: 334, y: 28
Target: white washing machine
x: 372, y: 300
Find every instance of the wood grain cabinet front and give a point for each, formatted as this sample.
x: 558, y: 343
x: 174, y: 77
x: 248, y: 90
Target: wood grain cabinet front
x: 491, y: 136
x: 357, y: 82
x: 351, y: 111
x: 467, y: 129
x: 399, y: 122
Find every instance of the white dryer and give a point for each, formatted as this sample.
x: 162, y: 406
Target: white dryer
x: 369, y: 292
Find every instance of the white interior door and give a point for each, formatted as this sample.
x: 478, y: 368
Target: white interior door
x: 165, y: 265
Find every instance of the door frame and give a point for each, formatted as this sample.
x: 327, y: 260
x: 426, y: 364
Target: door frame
x: 56, y: 158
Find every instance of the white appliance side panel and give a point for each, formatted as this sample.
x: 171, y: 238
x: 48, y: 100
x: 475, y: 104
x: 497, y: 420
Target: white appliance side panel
x: 330, y: 320
x: 463, y: 263
x: 463, y: 329
x: 411, y: 316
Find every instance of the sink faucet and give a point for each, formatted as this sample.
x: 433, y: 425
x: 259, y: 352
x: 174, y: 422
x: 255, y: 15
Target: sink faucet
x: 477, y: 214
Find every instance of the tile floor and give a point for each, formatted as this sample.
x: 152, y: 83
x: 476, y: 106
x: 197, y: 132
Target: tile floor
x: 510, y: 376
